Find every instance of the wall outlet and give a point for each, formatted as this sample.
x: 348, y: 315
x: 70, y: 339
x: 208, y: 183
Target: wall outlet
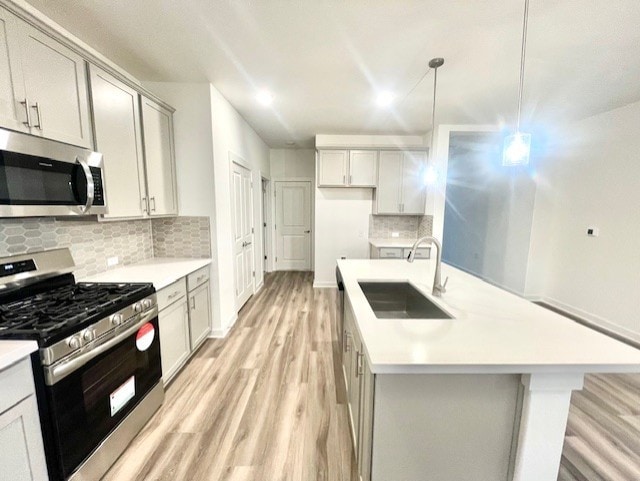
x: 112, y: 261
x: 593, y: 231
x: 395, y: 234
x: 343, y: 257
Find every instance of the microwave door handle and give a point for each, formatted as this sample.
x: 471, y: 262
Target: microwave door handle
x: 57, y: 372
x: 91, y: 188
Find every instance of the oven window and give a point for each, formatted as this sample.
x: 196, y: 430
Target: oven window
x: 82, y: 404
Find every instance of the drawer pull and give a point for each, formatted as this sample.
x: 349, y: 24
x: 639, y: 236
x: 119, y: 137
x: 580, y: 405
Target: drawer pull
x: 171, y: 296
x: 201, y: 278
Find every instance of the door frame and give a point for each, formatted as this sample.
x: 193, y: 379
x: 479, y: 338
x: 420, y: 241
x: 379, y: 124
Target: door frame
x: 267, y: 240
x: 312, y: 218
x: 239, y: 161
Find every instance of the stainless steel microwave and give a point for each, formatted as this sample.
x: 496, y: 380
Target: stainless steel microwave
x: 40, y: 177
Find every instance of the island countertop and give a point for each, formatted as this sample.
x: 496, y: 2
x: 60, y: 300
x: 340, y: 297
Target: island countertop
x: 492, y: 330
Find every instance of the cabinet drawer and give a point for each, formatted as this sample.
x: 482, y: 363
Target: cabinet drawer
x: 172, y: 293
x: 17, y: 384
x: 198, y: 278
x: 421, y: 253
x: 390, y: 253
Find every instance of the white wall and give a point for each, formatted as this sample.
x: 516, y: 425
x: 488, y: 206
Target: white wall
x: 341, y: 229
x: 292, y: 164
x: 232, y: 134
x: 592, y: 178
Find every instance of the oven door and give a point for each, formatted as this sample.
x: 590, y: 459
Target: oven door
x: 39, y: 177
x: 87, y: 400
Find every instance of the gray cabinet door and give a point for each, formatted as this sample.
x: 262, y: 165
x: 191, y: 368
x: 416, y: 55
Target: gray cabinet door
x: 174, y: 338
x: 199, y: 314
x: 413, y: 186
x: 388, y: 193
x: 56, y: 85
x: 118, y: 135
x: 12, y: 112
x: 21, y: 449
x: 157, y: 127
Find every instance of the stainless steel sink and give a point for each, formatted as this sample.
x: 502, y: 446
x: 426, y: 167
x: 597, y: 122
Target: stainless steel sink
x: 400, y: 300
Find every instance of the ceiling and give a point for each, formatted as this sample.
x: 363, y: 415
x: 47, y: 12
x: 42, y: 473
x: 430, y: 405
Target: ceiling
x: 324, y: 61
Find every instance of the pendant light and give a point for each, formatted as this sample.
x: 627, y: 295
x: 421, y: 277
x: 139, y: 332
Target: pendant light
x: 431, y: 175
x: 517, y: 147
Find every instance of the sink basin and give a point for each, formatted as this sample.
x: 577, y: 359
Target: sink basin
x: 400, y: 300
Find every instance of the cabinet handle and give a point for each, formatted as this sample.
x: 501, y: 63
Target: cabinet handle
x: 200, y: 278
x: 27, y: 111
x: 359, y: 364
x: 344, y: 340
x: 193, y: 302
x: 344, y: 179
x: 153, y: 204
x: 350, y: 177
x: 348, y: 344
x: 38, y: 116
x: 145, y: 205
x: 171, y: 296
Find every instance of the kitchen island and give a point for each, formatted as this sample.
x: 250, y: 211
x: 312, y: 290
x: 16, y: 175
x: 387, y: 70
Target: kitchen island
x: 483, y: 395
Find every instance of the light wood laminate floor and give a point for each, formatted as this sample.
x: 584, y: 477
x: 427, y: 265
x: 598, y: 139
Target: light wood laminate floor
x: 603, y: 430
x: 265, y: 403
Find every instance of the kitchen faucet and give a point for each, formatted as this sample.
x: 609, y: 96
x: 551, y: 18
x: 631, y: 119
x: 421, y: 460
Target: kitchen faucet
x: 438, y: 287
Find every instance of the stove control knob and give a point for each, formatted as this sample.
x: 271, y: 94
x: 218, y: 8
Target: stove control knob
x: 74, y: 342
x: 137, y: 307
x: 147, y: 303
x: 88, y: 335
x: 116, y: 319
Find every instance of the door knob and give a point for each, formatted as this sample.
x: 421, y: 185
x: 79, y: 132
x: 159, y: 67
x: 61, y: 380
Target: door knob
x: 307, y: 232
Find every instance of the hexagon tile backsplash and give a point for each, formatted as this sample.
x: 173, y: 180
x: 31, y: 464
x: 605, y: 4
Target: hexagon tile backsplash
x: 92, y: 242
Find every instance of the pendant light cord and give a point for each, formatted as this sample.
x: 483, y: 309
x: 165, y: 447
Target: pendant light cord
x: 433, y: 110
x: 522, y: 59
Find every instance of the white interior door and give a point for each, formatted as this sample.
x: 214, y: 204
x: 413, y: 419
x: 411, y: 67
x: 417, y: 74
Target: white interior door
x: 242, y: 213
x: 293, y: 226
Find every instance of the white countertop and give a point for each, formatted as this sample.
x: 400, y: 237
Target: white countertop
x: 13, y: 351
x: 160, y: 271
x: 394, y: 242
x: 493, y: 331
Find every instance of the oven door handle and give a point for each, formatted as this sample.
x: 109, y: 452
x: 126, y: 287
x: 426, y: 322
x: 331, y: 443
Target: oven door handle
x: 57, y: 372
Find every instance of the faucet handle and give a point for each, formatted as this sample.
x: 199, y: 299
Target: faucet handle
x: 445, y: 284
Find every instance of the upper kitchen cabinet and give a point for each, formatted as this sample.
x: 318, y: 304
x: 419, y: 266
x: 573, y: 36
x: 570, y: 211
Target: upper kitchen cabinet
x: 347, y: 168
x: 43, y: 85
x: 118, y: 136
x: 13, y: 108
x: 401, y: 189
x: 157, y: 125
x: 363, y: 168
x: 332, y: 168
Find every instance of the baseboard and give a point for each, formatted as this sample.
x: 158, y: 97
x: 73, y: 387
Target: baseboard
x: 220, y: 333
x: 324, y: 284
x: 258, y: 287
x: 594, y: 322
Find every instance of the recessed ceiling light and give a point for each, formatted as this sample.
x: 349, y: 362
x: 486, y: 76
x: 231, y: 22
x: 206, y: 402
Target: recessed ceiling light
x: 385, y: 98
x: 264, y: 97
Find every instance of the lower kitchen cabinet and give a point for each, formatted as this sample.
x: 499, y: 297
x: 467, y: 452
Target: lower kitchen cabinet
x: 185, y: 320
x: 21, y: 448
x: 174, y: 337
x: 199, y: 314
x: 360, y: 388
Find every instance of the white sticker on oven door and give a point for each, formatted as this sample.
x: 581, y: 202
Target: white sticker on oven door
x: 145, y: 336
x: 121, y: 396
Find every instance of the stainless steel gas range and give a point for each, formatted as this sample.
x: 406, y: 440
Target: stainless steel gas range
x: 97, y: 371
